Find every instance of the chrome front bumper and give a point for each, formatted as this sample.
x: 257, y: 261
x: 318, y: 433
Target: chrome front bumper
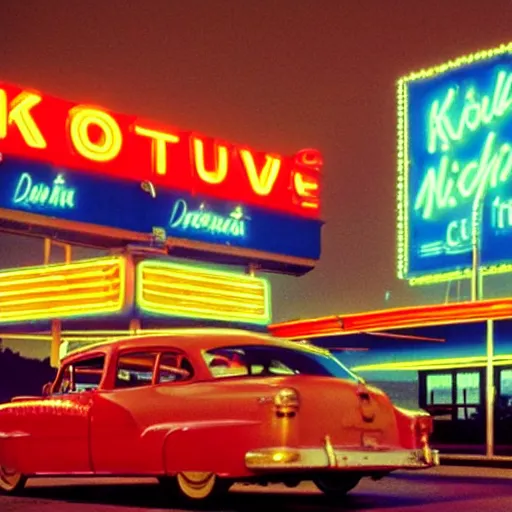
x: 329, y: 457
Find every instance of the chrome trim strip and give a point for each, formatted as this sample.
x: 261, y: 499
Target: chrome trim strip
x: 13, y: 435
x: 279, y: 458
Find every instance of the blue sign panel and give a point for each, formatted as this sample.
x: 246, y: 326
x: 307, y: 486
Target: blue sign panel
x: 455, y: 167
x: 31, y: 187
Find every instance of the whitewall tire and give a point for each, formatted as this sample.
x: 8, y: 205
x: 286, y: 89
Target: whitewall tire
x: 195, y: 485
x: 11, y: 482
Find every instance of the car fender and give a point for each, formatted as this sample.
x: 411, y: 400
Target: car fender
x: 217, y: 446
x: 12, y: 445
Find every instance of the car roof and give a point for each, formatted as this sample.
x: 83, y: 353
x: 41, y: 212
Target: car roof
x: 192, y: 339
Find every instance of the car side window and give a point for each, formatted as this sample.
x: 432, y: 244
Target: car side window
x: 135, y: 369
x: 81, y: 376
x: 174, y: 367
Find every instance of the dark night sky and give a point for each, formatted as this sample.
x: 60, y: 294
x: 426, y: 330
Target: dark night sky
x: 279, y: 75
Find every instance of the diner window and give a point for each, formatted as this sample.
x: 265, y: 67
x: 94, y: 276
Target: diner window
x: 504, y: 398
x: 135, y: 369
x: 439, y: 400
x: 439, y: 388
x: 81, y: 376
x: 506, y: 382
x: 454, y: 395
x: 468, y: 394
x: 174, y: 367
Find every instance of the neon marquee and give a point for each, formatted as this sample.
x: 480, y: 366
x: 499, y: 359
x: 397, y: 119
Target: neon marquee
x: 455, y: 166
x: 92, y: 140
x: 101, y: 211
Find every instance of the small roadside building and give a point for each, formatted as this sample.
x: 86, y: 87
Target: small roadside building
x: 453, y: 360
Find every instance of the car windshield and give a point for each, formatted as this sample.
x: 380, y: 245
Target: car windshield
x: 272, y: 360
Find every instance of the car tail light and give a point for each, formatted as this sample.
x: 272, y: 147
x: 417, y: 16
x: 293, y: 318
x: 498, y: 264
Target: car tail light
x: 286, y: 403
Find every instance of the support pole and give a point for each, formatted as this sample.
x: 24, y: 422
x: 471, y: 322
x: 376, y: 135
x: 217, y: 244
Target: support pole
x: 475, y: 251
x: 67, y: 253
x: 47, y: 250
x: 56, y: 343
x: 489, y: 390
x: 477, y: 294
x: 56, y: 324
x: 251, y: 269
x: 134, y: 326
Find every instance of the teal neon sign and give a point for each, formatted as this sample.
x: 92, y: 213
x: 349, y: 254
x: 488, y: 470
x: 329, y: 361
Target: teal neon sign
x: 455, y: 167
x: 204, y: 221
x: 56, y: 194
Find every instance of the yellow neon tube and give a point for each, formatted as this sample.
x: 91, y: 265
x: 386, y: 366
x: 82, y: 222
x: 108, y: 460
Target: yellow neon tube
x: 431, y: 363
x: 52, y: 267
x: 216, y: 278
x: 198, y: 288
x: 61, y: 276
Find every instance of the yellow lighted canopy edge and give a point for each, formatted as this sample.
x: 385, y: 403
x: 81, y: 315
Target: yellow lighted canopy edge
x: 82, y: 288
x: 97, y: 287
x: 190, y: 291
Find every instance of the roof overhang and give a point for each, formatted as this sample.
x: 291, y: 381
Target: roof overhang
x: 392, y: 319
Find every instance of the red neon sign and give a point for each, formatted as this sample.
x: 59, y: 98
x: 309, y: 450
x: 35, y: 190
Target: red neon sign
x: 94, y: 140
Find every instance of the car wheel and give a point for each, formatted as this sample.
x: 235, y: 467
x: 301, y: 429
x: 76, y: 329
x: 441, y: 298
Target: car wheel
x: 336, y: 485
x: 11, y: 482
x: 196, y: 486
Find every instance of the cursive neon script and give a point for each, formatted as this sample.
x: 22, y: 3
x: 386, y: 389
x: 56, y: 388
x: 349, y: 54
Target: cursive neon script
x: 446, y: 125
x: 453, y: 183
x: 232, y: 225
x: 56, y: 195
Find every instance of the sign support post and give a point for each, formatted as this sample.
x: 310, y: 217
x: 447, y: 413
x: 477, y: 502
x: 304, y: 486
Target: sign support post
x: 56, y: 323
x: 489, y: 391
x: 476, y: 226
x: 477, y: 294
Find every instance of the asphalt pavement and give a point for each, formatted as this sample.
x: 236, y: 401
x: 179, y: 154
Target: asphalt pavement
x: 451, y: 489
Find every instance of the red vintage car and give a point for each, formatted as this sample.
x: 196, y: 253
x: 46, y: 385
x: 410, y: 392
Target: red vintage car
x: 201, y: 409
